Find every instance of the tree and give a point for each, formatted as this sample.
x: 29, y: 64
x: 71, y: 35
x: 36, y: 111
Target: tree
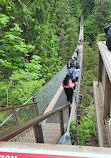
x: 67, y: 30
x: 88, y: 6
x: 35, y: 41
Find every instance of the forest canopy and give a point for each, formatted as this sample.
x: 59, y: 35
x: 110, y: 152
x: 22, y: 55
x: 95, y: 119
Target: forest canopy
x: 38, y: 36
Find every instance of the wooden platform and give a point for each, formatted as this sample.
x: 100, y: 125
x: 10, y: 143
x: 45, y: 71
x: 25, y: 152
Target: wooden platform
x: 106, y: 56
x: 98, y: 98
x: 52, y: 151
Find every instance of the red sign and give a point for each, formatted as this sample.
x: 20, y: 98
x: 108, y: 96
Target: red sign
x: 36, y: 153
x: 28, y: 155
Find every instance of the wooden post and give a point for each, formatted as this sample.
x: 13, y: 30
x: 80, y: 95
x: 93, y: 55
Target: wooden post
x: 38, y: 133
x: 15, y: 116
x: 80, y: 99
x: 107, y: 96
x: 36, y: 109
x: 100, y: 68
x: 40, y: 137
x: 61, y: 122
x: 69, y: 110
x: 34, y: 100
x: 7, y: 97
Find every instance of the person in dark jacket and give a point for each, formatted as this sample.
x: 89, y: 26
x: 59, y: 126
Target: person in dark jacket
x: 68, y: 87
x: 107, y: 30
x: 69, y: 64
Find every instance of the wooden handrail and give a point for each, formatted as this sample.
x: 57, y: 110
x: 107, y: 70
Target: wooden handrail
x: 106, y: 57
x: 18, y: 106
x: 20, y: 128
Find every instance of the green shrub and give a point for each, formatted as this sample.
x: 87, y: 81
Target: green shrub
x: 86, y: 128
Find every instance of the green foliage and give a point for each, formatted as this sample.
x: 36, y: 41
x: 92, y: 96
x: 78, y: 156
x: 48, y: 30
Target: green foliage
x: 21, y: 86
x: 3, y: 20
x: 91, y: 29
x: 75, y: 8
x: 88, y: 6
x: 36, y: 38
x: 90, y: 71
x: 101, y: 37
x: 97, y: 16
x: 68, y: 28
x: 13, y: 50
x: 20, y: 76
x: 97, y: 20
x: 73, y: 133
x: 101, y: 12
x: 87, y: 127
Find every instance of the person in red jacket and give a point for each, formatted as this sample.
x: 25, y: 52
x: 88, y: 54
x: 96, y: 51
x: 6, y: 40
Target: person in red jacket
x: 68, y: 87
x: 82, y: 10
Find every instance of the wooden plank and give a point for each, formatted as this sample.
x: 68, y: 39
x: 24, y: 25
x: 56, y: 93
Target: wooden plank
x: 61, y: 122
x: 107, y: 96
x: 106, y: 57
x: 102, y: 137
x: 99, y: 113
x: 27, y: 147
x: 101, y: 92
x: 18, y: 106
x: 20, y: 128
x: 100, y: 68
x: 36, y: 133
x: 108, y: 131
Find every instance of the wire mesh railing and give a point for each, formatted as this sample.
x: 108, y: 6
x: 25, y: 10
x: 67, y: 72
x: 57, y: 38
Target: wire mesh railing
x: 53, y: 123
x: 46, y: 93
x: 43, y: 97
x: 17, y: 115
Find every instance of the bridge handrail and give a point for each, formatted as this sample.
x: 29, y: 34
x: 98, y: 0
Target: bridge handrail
x: 45, y: 85
x: 20, y: 128
x: 33, y: 97
x: 15, y: 115
x: 18, y: 106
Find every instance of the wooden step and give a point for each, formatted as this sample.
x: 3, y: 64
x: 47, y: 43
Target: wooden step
x: 51, y: 132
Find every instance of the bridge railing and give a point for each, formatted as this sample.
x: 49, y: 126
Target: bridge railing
x: 30, y: 131
x: 43, y: 97
x: 48, y: 91
x: 17, y: 115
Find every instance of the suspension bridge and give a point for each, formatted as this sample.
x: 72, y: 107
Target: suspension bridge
x: 45, y: 118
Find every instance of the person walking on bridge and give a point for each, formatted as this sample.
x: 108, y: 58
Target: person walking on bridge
x: 68, y: 87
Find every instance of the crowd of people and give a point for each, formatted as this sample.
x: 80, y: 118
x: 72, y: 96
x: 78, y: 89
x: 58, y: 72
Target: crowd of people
x: 71, y: 79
